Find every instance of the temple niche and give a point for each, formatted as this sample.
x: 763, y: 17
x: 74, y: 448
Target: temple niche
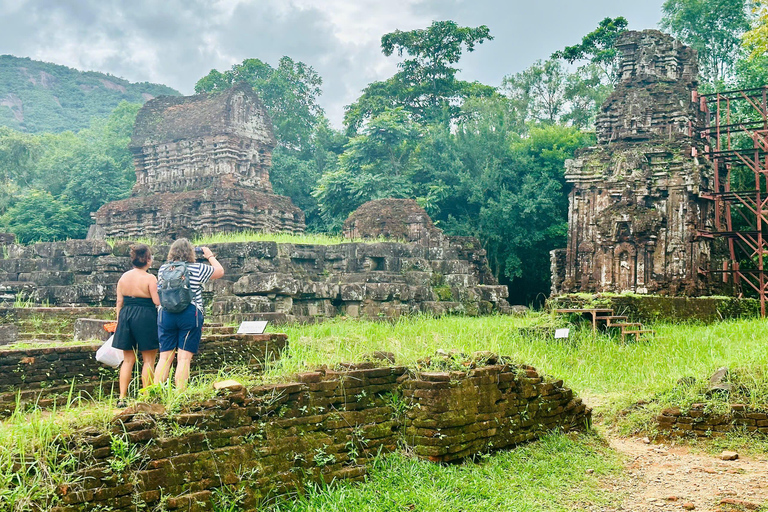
x: 636, y: 206
x: 202, y: 166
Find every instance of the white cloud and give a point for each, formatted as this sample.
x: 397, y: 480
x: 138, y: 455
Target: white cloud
x: 176, y: 42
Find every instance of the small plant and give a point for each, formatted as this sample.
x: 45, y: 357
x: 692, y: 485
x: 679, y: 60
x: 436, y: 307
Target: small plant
x: 322, y: 458
x: 124, y: 454
x: 227, y: 498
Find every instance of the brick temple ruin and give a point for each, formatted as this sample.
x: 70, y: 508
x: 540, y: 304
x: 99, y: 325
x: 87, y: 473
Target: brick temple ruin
x: 636, y: 208
x: 202, y: 166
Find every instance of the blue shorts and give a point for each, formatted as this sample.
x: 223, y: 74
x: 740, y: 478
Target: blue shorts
x: 180, y: 330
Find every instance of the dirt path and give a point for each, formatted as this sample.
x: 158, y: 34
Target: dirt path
x: 663, y: 477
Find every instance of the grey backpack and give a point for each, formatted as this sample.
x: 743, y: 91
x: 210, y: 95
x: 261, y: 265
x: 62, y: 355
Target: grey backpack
x: 173, y: 286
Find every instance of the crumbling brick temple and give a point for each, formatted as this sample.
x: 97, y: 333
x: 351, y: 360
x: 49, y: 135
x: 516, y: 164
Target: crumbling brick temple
x: 636, y: 208
x: 202, y: 166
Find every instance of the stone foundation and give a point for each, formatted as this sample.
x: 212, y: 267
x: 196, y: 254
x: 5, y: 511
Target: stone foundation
x: 199, y: 213
x: 698, y: 422
x: 324, y: 426
x: 279, y: 282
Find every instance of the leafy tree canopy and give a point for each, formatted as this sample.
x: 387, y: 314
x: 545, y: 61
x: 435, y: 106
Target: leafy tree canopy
x: 39, y: 216
x: 598, y: 46
x: 756, y: 39
x: 73, y: 173
x: 426, y: 84
x: 289, y: 92
x: 377, y: 164
x: 713, y: 28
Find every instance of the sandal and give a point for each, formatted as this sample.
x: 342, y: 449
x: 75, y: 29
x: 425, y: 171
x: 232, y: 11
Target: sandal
x: 122, y: 403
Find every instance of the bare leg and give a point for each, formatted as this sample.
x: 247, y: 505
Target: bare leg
x: 148, y: 367
x: 164, y: 365
x: 126, y: 371
x: 182, y: 368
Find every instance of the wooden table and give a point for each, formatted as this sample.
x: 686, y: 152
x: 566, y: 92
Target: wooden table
x: 591, y: 311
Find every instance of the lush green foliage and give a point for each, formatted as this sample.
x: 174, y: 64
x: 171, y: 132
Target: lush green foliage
x: 54, y: 181
x: 289, y: 93
x: 756, y: 39
x: 53, y: 98
x: 713, y: 28
x: 547, y: 474
x: 426, y: 84
x: 482, y: 161
x: 598, y: 46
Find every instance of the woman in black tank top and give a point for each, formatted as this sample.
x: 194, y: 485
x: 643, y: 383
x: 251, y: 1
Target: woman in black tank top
x: 136, y: 320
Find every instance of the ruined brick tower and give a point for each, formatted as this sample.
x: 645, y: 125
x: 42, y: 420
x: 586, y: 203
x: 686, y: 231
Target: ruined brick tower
x: 202, y: 166
x: 635, y: 208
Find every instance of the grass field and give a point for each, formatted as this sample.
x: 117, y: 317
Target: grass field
x: 590, y: 364
x: 547, y: 475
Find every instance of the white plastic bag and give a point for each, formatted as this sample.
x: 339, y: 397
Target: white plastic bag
x: 108, y: 355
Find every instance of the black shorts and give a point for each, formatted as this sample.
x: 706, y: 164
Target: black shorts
x: 136, y: 326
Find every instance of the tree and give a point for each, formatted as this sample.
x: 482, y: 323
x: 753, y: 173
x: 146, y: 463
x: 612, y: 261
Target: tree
x: 18, y: 152
x: 756, y: 39
x: 38, y: 216
x: 538, y: 91
x: 713, y: 28
x: 289, y: 93
x: 379, y: 163
x: 598, y: 47
x: 584, y: 93
x: 426, y: 84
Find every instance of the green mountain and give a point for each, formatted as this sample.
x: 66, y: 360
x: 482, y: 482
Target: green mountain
x: 38, y: 96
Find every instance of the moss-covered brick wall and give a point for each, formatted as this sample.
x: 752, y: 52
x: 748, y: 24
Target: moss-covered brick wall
x: 46, y: 375
x: 699, y: 421
x: 651, y: 308
x: 493, y: 407
x: 324, y: 426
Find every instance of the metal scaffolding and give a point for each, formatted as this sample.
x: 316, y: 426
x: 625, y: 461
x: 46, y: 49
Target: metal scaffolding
x: 736, y: 136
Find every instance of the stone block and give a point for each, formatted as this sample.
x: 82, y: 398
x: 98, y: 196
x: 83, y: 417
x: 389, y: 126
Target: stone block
x: 256, y: 284
x: 9, y: 333
x: 90, y: 329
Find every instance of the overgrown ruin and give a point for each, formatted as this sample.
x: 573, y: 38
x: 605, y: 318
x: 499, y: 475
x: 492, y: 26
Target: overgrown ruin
x: 279, y: 282
x: 202, y: 167
x: 636, y: 207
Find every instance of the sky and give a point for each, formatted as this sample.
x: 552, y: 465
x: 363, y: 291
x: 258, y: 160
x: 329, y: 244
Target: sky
x: 176, y: 42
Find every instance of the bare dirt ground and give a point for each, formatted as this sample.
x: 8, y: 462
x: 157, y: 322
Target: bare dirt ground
x: 667, y: 477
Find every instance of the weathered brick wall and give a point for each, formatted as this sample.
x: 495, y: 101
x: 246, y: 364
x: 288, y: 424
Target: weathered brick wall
x: 280, y: 282
x: 45, y: 375
x: 495, y: 406
x: 698, y: 422
x: 325, y: 426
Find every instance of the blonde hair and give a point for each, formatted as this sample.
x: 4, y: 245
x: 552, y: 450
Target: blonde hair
x: 182, y: 250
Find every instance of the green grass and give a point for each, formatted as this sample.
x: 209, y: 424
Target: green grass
x: 548, y: 474
x: 590, y: 364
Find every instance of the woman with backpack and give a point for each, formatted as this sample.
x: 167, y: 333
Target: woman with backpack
x: 180, y: 320
x: 136, y: 319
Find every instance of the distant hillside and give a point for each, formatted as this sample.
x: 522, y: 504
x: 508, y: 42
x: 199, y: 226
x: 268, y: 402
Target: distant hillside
x: 42, y: 97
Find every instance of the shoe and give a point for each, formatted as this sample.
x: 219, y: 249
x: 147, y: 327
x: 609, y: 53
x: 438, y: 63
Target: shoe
x: 122, y: 403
